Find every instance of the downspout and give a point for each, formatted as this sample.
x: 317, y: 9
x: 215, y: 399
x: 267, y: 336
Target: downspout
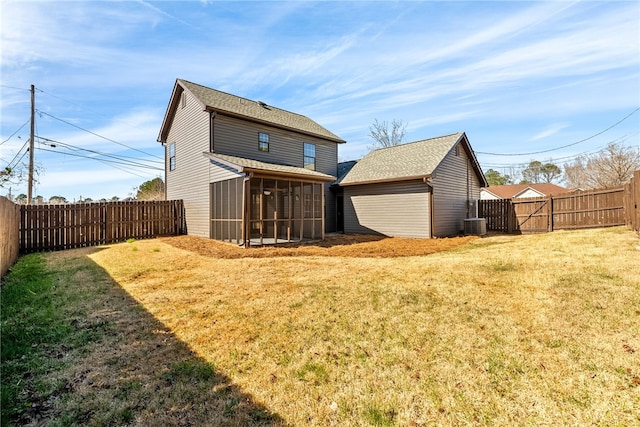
x: 245, y: 207
x: 212, y: 116
x: 164, y: 146
x: 428, y: 181
x: 468, y: 192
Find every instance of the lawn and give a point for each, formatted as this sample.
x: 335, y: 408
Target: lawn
x: 502, y: 330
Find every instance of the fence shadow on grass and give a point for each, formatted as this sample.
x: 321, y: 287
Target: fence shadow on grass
x: 132, y: 368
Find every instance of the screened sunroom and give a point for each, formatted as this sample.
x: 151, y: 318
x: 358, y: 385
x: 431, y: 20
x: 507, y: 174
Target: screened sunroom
x: 266, y: 203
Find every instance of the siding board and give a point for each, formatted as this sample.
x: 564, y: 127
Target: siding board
x: 454, y: 185
x: 399, y: 209
x: 190, y: 180
x: 239, y: 138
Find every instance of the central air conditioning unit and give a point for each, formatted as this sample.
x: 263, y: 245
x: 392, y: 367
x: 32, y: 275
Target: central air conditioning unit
x: 475, y: 226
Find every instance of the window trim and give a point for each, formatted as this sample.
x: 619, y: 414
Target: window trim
x: 172, y: 156
x: 308, y: 158
x: 263, y: 142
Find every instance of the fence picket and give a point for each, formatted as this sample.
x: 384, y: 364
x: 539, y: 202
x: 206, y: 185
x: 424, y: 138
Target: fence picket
x: 59, y: 227
x: 597, y: 208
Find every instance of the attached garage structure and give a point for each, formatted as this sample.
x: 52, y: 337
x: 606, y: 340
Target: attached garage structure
x: 422, y: 189
x: 398, y: 209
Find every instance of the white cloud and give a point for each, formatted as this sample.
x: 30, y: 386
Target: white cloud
x: 551, y: 130
x: 137, y: 129
x: 499, y: 68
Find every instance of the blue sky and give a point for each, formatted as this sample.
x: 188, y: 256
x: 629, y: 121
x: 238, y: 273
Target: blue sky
x: 517, y: 77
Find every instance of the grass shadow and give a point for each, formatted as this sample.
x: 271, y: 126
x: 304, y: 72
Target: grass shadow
x: 111, y: 362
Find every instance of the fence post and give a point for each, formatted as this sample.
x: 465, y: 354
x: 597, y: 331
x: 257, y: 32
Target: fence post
x: 550, y: 213
x: 512, y: 221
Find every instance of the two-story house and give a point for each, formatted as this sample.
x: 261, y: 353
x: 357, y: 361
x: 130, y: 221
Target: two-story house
x: 248, y: 172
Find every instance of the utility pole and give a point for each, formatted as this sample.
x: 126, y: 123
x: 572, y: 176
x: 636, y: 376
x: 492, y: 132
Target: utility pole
x: 31, y: 138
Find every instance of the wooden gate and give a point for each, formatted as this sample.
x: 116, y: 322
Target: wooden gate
x: 532, y: 215
x: 584, y: 209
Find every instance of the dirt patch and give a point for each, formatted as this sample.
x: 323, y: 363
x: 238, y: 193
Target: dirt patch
x: 339, y: 245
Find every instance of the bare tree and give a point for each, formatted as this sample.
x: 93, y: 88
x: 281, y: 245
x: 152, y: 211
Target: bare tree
x: 611, y: 167
x: 385, y: 136
x: 11, y: 176
x: 575, y: 173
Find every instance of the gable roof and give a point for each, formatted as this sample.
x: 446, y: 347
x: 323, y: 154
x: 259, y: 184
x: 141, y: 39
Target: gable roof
x: 241, y: 164
x: 413, y: 160
x: 513, y: 190
x: 231, y: 105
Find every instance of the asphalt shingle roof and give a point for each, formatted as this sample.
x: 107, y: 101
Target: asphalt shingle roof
x: 236, y: 105
x: 509, y: 191
x: 256, y: 165
x: 411, y: 160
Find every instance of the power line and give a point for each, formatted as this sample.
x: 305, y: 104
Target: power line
x: 98, y: 135
x: 11, y: 136
x: 117, y: 161
x: 568, y: 145
x: 571, y: 157
x: 79, y: 105
x: 9, y: 165
x: 17, y: 88
x: 54, y: 143
x: 111, y: 163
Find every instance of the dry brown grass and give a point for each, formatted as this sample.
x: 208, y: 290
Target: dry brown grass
x: 336, y: 245
x: 539, y: 329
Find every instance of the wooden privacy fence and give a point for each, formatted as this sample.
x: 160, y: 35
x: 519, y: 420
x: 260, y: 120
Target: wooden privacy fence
x: 9, y: 237
x: 632, y: 202
x: 58, y: 227
x: 584, y: 209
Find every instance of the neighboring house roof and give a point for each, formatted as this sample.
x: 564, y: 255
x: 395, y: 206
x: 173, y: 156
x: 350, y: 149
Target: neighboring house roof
x: 514, y: 190
x: 248, y: 165
x: 413, y: 160
x: 232, y: 105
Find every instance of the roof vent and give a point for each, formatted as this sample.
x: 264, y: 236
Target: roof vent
x: 262, y: 104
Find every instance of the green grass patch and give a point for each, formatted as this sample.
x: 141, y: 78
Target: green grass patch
x: 313, y: 372
x: 379, y: 417
x: 33, y: 329
x: 43, y: 325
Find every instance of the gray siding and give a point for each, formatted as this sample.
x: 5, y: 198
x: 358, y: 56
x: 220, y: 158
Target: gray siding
x: 190, y: 180
x: 454, y: 184
x: 237, y: 137
x: 399, y: 209
x: 219, y: 172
